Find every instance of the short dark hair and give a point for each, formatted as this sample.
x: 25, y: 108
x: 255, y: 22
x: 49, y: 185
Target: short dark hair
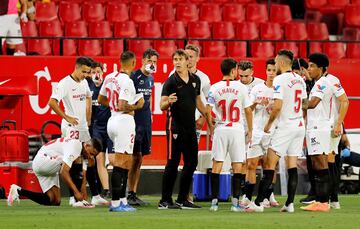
x: 320, y: 59
x: 149, y: 53
x: 227, y: 65
x: 126, y: 56
x: 270, y: 61
x: 180, y: 52
x: 96, y: 143
x: 298, y: 63
x: 245, y: 64
x: 96, y: 64
x: 193, y: 48
x: 84, y: 60
x: 286, y: 53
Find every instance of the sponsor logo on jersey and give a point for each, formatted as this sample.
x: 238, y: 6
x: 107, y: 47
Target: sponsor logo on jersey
x: 321, y: 87
x: 338, y: 86
x: 276, y: 88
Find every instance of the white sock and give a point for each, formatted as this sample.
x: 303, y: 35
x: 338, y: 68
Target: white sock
x: 96, y: 197
x: 115, y: 203
x: 235, y: 201
x: 124, y: 200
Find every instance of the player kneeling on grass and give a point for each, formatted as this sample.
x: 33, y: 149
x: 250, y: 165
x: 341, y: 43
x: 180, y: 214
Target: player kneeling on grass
x: 54, y: 158
x: 228, y: 98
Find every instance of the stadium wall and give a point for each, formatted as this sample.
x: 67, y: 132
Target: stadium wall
x: 26, y: 84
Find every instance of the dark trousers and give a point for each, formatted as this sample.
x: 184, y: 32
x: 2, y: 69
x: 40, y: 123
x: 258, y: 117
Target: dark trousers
x: 185, y: 143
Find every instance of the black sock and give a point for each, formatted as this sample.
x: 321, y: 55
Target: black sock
x: 131, y: 193
x: 124, y: 182
x: 242, y: 184
x: 10, y: 52
x: 249, y: 190
x: 311, y: 174
x: 116, y: 182
x: 264, y: 185
x: 76, y: 174
x: 334, y: 182
x: 40, y: 198
x: 215, y: 183
x: 236, y: 184
x: 91, y: 179
x: 269, y: 191
x: 292, y: 184
x: 322, y: 185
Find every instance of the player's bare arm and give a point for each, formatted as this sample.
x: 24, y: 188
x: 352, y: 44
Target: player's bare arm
x: 313, y: 102
x: 65, y: 175
x: 200, y: 106
x: 276, y: 108
x: 167, y: 101
x: 103, y: 100
x: 249, y: 121
x: 127, y: 108
x: 88, y: 110
x: 344, y: 105
x: 53, y: 103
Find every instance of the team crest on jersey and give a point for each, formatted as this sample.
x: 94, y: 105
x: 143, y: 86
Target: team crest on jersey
x: 338, y: 86
x: 175, y: 136
x: 194, y: 85
x: 141, y: 82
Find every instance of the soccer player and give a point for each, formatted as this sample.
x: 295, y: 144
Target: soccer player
x: 144, y: 82
x: 261, y: 97
x: 99, y: 119
x: 180, y: 96
x: 75, y: 94
x: 229, y: 98
x: 118, y: 92
x: 54, y: 158
x: 287, y: 139
x: 329, y: 95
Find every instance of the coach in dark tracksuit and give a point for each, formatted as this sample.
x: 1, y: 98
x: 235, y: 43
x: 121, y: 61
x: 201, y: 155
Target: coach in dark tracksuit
x: 180, y: 96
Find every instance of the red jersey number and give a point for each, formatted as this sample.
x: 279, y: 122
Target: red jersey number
x: 297, y: 100
x: 232, y: 113
x: 113, y: 97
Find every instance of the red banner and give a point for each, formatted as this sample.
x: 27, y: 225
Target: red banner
x: 27, y: 104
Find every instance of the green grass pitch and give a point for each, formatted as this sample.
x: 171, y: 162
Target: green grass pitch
x: 30, y: 215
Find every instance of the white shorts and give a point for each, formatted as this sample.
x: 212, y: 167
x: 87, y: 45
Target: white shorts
x: 287, y: 142
x: 229, y: 140
x: 10, y: 26
x: 259, y: 144
x: 121, y: 130
x: 318, y: 141
x: 47, y: 170
x: 334, y: 144
x: 70, y: 131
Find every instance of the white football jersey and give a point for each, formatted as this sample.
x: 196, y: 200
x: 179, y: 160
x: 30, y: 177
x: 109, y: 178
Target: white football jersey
x: 229, y: 99
x: 322, y: 112
x: 73, y: 94
x: 291, y: 89
x: 253, y: 83
x: 65, y: 150
x: 337, y: 91
x: 118, y: 86
x: 261, y: 112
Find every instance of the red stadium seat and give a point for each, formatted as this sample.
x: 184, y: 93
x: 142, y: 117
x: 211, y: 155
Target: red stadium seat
x: 223, y: 30
x: 280, y: 13
x: 117, y: 12
x: 50, y: 29
x: 262, y: 49
x: 292, y: 46
x: 165, y: 48
x: 315, y: 47
x: 355, y: 2
x: 39, y: 46
x: 210, y: 12
x: 295, y: 31
x: 352, y: 15
x: 233, y: 12
x: 174, y: 29
x: 69, y: 47
x: 351, y: 34
x: 317, y: 31
x: 315, y: 4
x: 139, y: 46
x: 213, y: 49
x: 93, y: 11
x: 126, y: 29
x: 69, y: 11
x: 150, y: 29
x: 257, y: 13
x: 164, y: 12
x: 140, y: 12
x: 245, y: 1
x: 352, y: 50
x: 100, y: 29
x: 271, y: 31
x: 334, y: 50
x: 113, y: 47
x: 45, y: 11
x: 199, y: 29
x: 236, y: 49
x: 186, y: 12
x: 338, y: 3
x: 29, y: 29
x: 76, y: 29
x: 247, y: 31
x: 90, y: 48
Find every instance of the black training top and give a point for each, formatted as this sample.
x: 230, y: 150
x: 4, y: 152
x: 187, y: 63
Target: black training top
x: 181, y: 114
